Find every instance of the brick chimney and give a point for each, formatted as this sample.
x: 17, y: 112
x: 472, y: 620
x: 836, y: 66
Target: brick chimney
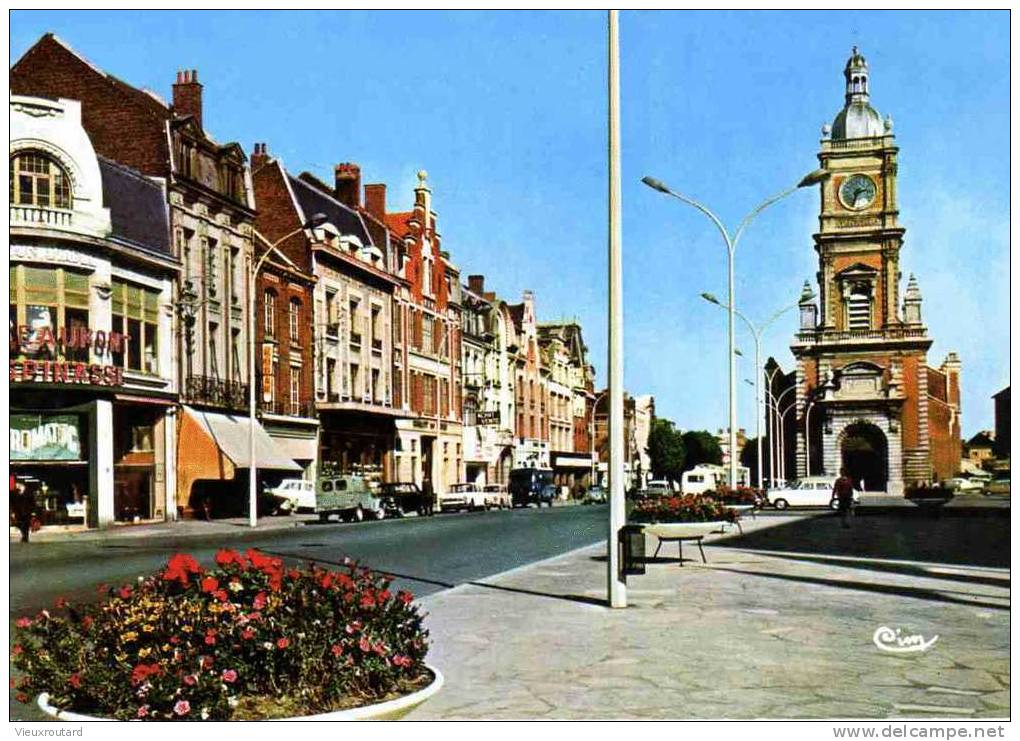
x: 259, y: 156
x: 375, y: 200
x: 348, y: 184
x: 188, y: 95
x: 476, y: 284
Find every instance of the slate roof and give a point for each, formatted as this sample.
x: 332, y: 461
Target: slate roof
x: 138, y: 210
x: 314, y: 201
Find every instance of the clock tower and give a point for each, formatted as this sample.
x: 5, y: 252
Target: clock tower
x: 862, y: 374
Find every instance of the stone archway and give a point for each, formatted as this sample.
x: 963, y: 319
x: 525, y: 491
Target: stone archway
x: 864, y: 453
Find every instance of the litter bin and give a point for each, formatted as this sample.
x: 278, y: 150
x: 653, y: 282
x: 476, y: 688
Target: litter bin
x: 632, y: 550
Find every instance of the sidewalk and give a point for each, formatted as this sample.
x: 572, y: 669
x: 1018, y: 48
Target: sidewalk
x: 782, y: 631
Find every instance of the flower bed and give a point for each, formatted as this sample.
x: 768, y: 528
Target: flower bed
x: 742, y: 495
x: 689, y: 508
x: 247, y: 639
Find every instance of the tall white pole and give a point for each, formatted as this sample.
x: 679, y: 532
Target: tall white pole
x: 807, y: 440
x: 252, y: 463
x: 757, y: 400
x: 617, y: 509
x: 733, y: 375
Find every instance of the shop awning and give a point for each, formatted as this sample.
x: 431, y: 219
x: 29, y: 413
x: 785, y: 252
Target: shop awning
x: 560, y: 460
x: 230, y: 433
x: 300, y: 449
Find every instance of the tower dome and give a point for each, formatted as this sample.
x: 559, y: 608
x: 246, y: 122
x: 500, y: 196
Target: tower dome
x: 857, y: 119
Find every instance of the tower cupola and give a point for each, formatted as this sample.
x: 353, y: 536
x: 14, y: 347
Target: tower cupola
x: 858, y: 119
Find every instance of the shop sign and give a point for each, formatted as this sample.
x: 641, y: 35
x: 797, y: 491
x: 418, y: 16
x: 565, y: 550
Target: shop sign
x: 487, y: 418
x: 39, y: 337
x: 60, y: 371
x: 45, y: 437
x: 267, y: 372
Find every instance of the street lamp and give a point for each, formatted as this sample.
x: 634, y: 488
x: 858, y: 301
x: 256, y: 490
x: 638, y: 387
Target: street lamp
x: 253, y: 268
x: 812, y: 178
x: 591, y: 426
x: 778, y: 462
x: 756, y: 333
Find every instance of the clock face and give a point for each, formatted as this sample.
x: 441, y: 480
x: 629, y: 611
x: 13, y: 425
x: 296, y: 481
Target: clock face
x: 857, y: 192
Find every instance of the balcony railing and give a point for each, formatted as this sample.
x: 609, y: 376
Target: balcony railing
x: 377, y: 344
x: 333, y: 329
x: 356, y: 338
x: 287, y: 408
x: 38, y: 215
x: 216, y: 392
x: 847, y: 335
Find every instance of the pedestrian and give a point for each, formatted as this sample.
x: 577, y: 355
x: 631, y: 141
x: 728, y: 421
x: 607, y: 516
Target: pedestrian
x: 843, y: 491
x: 22, y: 509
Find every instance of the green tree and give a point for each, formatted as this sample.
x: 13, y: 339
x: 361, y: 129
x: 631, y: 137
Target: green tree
x: 701, y: 447
x: 666, y: 451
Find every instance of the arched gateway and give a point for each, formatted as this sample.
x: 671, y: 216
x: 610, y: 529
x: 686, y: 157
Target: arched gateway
x: 864, y: 452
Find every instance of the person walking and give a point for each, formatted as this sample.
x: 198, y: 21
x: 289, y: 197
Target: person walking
x: 843, y: 491
x: 22, y: 509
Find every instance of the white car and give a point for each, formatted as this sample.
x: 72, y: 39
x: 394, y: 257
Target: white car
x: 300, y: 494
x: 961, y: 484
x: 462, y: 496
x: 496, y: 496
x: 813, y: 491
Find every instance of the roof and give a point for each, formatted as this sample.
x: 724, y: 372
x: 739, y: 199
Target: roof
x: 517, y: 314
x: 313, y: 201
x: 397, y: 222
x: 983, y: 439
x: 138, y: 212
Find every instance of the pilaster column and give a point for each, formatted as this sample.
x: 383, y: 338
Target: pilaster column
x: 101, y: 459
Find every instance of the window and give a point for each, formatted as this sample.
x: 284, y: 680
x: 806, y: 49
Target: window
x: 235, y: 353
x: 295, y: 390
x: 470, y: 409
x: 37, y: 180
x: 858, y: 308
x: 330, y: 377
x: 213, y: 365
x: 356, y: 390
x: 209, y: 258
x: 332, y: 327
x: 377, y: 330
x: 295, y: 320
x: 355, y: 322
x: 397, y: 322
x: 269, y: 313
x: 376, y: 387
x: 429, y: 394
x: 135, y: 311
x: 427, y: 342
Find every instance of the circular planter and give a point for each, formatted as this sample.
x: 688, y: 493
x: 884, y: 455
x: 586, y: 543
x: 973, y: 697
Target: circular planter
x: 389, y: 710
x: 684, y: 529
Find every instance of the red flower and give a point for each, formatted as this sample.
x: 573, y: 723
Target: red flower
x: 367, y: 601
x: 384, y: 595
x: 209, y: 584
x: 260, y: 601
x: 210, y: 640
x: 405, y: 597
x: 247, y: 634
x: 191, y: 680
x: 180, y: 567
x: 183, y: 707
x: 226, y: 556
x: 143, y: 671
x: 124, y: 592
x: 348, y: 597
x: 326, y: 581
x: 276, y: 581
x: 364, y: 645
x: 86, y: 622
x: 207, y: 662
x: 17, y: 650
x: 282, y: 643
x: 175, y: 640
x: 380, y: 648
x: 229, y: 675
x: 401, y: 660
x: 294, y: 574
x: 23, y: 622
x: 221, y: 595
x: 336, y: 649
x: 142, y: 711
x: 60, y: 603
x: 74, y: 680
x: 345, y: 581
x: 21, y: 697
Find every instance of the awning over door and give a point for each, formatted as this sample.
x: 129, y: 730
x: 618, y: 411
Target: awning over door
x: 300, y: 449
x: 230, y: 434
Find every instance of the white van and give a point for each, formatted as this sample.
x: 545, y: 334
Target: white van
x: 709, y: 477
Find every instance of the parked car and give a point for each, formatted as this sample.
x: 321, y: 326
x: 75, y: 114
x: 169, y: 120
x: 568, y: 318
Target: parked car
x: 813, y: 491
x: 466, y: 496
x: 998, y: 485
x: 595, y: 495
x: 659, y: 489
x: 399, y: 498
x: 496, y: 496
x: 296, y: 495
x: 346, y: 496
x: 960, y: 484
x: 531, y: 485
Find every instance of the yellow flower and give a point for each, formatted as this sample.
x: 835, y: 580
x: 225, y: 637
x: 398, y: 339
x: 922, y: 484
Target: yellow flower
x: 129, y: 636
x: 148, y: 628
x: 186, y: 628
x: 143, y: 652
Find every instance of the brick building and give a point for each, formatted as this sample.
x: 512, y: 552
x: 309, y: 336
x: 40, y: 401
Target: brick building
x: 212, y: 212
x: 427, y: 345
x: 349, y: 328
x: 866, y: 397
x: 531, y: 389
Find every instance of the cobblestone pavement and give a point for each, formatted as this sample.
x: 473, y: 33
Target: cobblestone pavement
x: 785, y: 632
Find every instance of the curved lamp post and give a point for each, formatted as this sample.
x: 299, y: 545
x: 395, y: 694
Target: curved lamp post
x: 756, y: 333
x: 812, y: 178
x: 253, y: 268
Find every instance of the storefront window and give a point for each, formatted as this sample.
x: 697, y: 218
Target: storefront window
x: 48, y: 455
x: 51, y: 307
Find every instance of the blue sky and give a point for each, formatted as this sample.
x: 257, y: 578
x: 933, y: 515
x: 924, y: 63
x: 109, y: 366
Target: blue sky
x: 507, y: 113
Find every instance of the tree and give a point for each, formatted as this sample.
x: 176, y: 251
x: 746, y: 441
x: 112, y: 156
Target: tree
x: 666, y: 451
x: 702, y: 447
x: 749, y: 458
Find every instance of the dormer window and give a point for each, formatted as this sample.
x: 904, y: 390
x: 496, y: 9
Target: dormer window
x: 37, y: 180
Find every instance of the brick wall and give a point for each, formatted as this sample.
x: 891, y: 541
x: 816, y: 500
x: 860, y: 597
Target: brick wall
x: 276, y: 215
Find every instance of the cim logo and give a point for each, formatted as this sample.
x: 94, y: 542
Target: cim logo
x: 892, y: 641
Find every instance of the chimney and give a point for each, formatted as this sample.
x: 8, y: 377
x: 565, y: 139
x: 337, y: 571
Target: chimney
x: 348, y: 184
x: 188, y: 95
x: 259, y: 156
x: 375, y: 200
x: 476, y: 284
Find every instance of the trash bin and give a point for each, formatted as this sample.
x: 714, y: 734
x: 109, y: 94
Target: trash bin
x: 632, y: 550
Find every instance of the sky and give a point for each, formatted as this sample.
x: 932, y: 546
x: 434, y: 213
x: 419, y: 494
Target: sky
x: 507, y: 113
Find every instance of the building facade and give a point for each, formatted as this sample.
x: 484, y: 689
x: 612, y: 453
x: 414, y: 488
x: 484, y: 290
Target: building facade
x: 531, y: 389
x: 866, y: 398
x: 427, y: 343
x: 93, y: 387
